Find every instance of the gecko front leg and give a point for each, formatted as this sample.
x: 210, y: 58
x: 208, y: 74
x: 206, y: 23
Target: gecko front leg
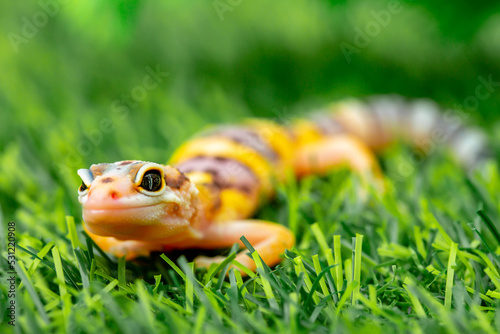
x: 269, y: 240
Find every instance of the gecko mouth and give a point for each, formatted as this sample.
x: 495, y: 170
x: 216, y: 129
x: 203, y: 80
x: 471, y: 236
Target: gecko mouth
x: 132, y: 223
x: 113, y: 208
x: 139, y: 215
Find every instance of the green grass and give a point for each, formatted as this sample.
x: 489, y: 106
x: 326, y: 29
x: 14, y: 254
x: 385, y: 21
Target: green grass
x: 424, y: 257
x: 416, y: 259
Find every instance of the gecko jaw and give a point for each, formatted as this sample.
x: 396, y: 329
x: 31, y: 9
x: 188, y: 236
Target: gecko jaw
x: 135, y: 223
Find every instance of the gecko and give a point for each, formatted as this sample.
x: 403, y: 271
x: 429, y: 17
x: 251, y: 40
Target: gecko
x: 206, y: 194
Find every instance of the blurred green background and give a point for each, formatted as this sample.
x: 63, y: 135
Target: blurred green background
x: 69, y: 69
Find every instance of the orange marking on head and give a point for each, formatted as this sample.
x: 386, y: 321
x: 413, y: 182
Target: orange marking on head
x: 99, y: 169
x: 134, y: 169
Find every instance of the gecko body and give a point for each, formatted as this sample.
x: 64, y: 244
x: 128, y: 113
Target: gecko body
x: 213, y: 183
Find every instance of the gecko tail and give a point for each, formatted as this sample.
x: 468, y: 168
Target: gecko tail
x: 383, y: 120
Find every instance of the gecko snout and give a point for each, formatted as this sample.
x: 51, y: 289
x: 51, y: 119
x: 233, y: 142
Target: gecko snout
x: 110, y: 188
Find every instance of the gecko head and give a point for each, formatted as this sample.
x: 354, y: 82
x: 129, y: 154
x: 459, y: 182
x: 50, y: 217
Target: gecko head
x: 136, y: 200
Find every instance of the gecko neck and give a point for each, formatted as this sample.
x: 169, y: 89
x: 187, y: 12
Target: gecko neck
x: 192, y: 231
x: 198, y: 220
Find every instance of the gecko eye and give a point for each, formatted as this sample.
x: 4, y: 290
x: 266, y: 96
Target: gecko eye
x: 87, y: 179
x: 152, y: 180
x: 83, y: 187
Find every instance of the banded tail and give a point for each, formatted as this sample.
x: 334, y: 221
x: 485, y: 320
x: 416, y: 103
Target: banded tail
x: 382, y: 120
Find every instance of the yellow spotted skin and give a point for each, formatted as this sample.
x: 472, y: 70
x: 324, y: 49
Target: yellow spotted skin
x: 223, y: 147
x: 278, y: 138
x: 306, y: 132
x: 229, y: 203
x: 214, y: 182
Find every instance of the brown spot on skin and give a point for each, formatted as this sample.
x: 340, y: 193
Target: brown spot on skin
x: 245, y: 190
x: 175, y: 181
x: 107, y: 180
x: 218, y: 203
x: 126, y: 162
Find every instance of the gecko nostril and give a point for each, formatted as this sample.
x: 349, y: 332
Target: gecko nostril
x: 113, y: 194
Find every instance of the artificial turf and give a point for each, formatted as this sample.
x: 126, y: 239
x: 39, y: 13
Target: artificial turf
x: 421, y: 257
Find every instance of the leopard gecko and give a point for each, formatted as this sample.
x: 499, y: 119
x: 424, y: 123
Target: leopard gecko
x: 206, y: 194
